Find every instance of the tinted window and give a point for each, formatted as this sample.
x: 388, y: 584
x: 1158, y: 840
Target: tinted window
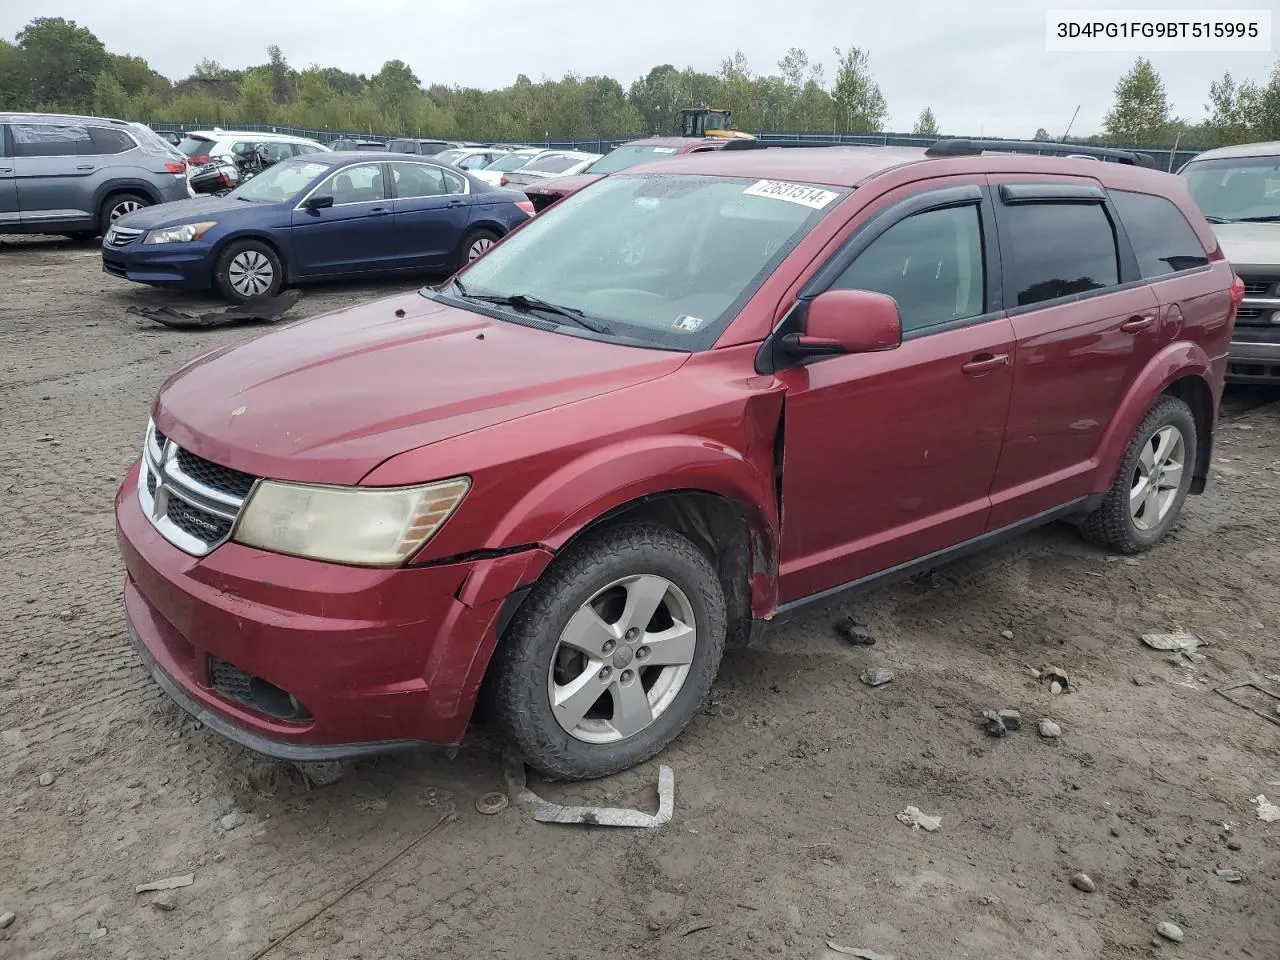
x: 422, y: 180
x: 1059, y: 249
x: 195, y: 146
x: 50, y: 140
x: 431, y: 149
x: 931, y: 264
x: 358, y: 184
x: 1162, y: 239
x: 402, y: 146
x: 107, y: 141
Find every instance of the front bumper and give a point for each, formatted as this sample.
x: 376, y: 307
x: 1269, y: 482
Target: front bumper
x: 1254, y: 360
x: 185, y: 265
x: 306, y: 661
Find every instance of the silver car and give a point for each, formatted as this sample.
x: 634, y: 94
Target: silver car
x: 77, y: 175
x: 553, y: 163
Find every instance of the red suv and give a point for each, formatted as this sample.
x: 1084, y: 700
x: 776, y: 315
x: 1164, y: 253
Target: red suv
x: 690, y: 399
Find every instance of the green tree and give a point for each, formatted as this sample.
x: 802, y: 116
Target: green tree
x: 1226, y: 121
x: 1042, y: 134
x: 11, y: 75
x: 137, y: 77
x: 256, y: 102
x: 61, y: 62
x: 283, y: 77
x: 110, y: 99
x: 1259, y: 105
x: 397, y: 93
x: 862, y: 106
x: 1140, y: 113
x: 926, y: 124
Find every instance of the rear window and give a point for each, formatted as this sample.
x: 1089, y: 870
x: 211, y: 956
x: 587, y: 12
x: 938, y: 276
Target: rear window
x: 195, y: 146
x: 625, y: 157
x: 1060, y: 249
x: 402, y: 146
x: 555, y: 164
x: 1161, y: 237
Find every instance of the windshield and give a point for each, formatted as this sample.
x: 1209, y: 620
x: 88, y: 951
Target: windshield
x: 281, y: 181
x: 195, y: 146
x: 512, y: 161
x: 1236, y: 188
x: 557, y: 163
x: 625, y: 157
x: 667, y: 260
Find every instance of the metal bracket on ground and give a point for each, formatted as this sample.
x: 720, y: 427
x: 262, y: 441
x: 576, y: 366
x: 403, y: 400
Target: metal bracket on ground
x: 1228, y: 692
x: 544, y: 811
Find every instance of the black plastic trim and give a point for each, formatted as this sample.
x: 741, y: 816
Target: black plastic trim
x: 1051, y: 192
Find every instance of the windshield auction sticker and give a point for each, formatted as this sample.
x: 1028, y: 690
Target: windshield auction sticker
x: 791, y: 192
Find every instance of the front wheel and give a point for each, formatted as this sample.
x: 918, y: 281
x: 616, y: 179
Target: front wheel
x: 611, y: 654
x: 1147, y: 497
x: 248, y: 269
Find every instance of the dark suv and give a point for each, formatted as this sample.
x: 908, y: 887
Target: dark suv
x: 680, y: 405
x: 423, y: 148
x: 78, y: 175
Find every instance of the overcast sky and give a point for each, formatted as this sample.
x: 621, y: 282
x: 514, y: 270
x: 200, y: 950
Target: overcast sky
x: 982, y: 66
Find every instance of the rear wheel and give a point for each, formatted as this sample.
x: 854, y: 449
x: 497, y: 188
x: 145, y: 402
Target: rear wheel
x: 1147, y: 497
x: 474, y: 245
x: 119, y: 205
x: 248, y: 269
x: 611, y: 654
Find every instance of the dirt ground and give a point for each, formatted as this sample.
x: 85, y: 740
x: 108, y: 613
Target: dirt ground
x: 787, y: 785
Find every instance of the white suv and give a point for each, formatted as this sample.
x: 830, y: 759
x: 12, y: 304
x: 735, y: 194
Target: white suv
x: 198, y: 145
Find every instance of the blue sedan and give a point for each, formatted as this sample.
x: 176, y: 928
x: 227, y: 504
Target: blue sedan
x: 317, y: 217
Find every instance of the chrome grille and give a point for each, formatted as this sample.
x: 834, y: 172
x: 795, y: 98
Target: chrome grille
x: 121, y: 236
x: 1255, y: 287
x: 1261, y: 304
x: 192, y: 502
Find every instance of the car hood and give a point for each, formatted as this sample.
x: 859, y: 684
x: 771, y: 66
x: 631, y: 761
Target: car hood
x: 564, y: 186
x: 1250, y: 244
x: 327, y: 399
x: 179, y: 212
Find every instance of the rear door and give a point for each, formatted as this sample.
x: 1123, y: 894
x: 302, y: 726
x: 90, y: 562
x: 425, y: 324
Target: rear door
x: 356, y: 234
x: 54, y: 164
x: 889, y: 456
x: 9, y: 215
x: 432, y: 208
x: 1086, y: 324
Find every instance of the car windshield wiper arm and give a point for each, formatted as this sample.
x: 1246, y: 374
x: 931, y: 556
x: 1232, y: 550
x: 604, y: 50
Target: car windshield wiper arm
x: 1218, y: 219
x: 523, y: 301
x: 1272, y: 218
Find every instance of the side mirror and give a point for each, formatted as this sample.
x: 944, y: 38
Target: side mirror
x: 319, y: 203
x: 847, y: 321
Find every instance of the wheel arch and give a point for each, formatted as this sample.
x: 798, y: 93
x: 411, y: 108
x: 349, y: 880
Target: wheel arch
x: 1195, y: 392
x: 116, y: 187
x: 267, y: 241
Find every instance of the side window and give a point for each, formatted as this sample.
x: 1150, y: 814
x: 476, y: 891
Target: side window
x: 107, y: 141
x: 453, y: 182
x: 1162, y: 239
x: 930, y: 263
x: 359, y: 184
x: 418, y: 180
x: 50, y: 140
x: 1059, y: 249
x: 473, y: 162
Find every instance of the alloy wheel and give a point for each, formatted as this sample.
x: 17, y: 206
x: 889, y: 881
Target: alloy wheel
x: 1157, y: 477
x: 124, y: 208
x: 250, y: 273
x: 480, y: 245
x: 622, y: 658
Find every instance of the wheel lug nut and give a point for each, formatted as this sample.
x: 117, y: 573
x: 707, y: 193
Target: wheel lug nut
x: 642, y: 653
x: 608, y: 646
x: 626, y: 676
x: 632, y: 633
x: 606, y: 673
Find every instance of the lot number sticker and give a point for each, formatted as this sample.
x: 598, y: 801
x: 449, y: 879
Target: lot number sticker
x: 791, y: 192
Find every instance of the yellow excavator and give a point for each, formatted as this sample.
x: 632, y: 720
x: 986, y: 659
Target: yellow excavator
x: 706, y: 122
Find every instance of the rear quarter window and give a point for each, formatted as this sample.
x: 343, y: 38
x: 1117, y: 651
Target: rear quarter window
x: 1162, y: 239
x: 107, y: 141
x: 1060, y: 249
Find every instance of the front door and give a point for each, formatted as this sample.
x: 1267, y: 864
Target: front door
x: 54, y: 165
x: 889, y: 456
x: 1086, y: 326
x: 432, y: 207
x: 356, y: 234
x: 9, y: 215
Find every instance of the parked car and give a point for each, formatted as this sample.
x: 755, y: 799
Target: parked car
x: 507, y: 163
x: 168, y: 136
x: 200, y: 146
x: 424, y: 148
x: 466, y: 158
x: 1238, y: 188
x: 553, y: 163
x: 346, y: 146
x: 78, y: 175
x: 312, y: 218
x: 678, y: 407
x: 545, y: 192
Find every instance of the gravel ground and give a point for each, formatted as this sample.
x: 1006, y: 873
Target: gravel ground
x: 787, y: 785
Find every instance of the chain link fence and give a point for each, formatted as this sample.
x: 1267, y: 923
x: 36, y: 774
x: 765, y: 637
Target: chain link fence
x: 1166, y: 159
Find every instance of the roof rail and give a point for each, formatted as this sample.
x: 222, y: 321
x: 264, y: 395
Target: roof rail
x: 763, y: 144
x: 963, y: 147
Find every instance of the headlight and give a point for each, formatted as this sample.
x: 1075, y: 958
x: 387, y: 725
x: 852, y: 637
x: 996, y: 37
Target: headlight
x: 364, y: 526
x: 183, y: 234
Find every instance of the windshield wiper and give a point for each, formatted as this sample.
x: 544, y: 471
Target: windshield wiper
x: 1218, y: 219
x: 523, y: 301
x: 1272, y: 218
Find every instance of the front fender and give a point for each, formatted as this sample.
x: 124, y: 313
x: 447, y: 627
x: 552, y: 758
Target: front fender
x: 1174, y: 362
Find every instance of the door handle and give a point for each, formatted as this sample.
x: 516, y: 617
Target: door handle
x: 86, y: 167
x: 379, y: 212
x: 6, y: 169
x: 1139, y: 323
x: 456, y: 203
x: 985, y: 363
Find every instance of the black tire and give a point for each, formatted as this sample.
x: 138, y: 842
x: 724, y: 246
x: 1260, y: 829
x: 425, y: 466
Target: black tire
x: 1112, y: 525
x: 472, y: 237
x: 518, y: 691
x: 117, y: 205
x: 253, y: 252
